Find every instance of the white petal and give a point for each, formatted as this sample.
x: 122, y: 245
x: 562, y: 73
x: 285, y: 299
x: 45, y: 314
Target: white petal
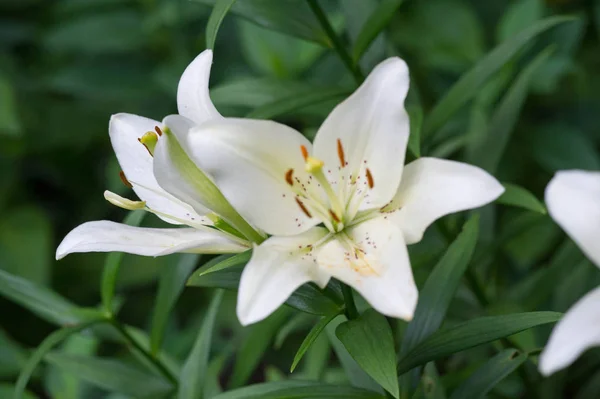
x: 106, y: 236
x: 136, y: 162
x: 380, y: 270
x: 578, y: 330
x: 573, y: 199
x: 248, y: 160
x: 277, y: 268
x: 373, y: 126
x: 432, y: 188
x: 193, y: 100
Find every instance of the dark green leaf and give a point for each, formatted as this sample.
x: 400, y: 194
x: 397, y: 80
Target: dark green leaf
x: 310, y: 299
x: 220, y: 9
x: 416, y: 123
x: 8, y: 391
x: 255, y: 92
x: 557, y: 147
x: 470, y: 83
x: 472, y: 333
x: 192, y: 378
x: 377, y: 22
x: 491, y: 373
x: 12, y: 356
x: 310, y: 338
x: 298, y: 322
x: 298, y: 390
x: 520, y: 197
x: 170, y: 286
x: 370, y: 342
x: 431, y: 387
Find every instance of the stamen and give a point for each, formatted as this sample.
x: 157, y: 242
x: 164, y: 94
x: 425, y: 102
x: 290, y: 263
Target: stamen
x: 124, y: 203
x: 304, y: 152
x: 370, y: 179
x: 334, y: 216
x: 301, y: 205
x: 124, y: 179
x: 340, y: 151
x: 289, y: 177
x: 158, y: 131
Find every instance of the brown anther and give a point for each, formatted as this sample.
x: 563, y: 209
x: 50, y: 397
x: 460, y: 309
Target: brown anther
x: 158, y: 131
x: 301, y: 205
x: 370, y: 180
x: 124, y: 179
x: 289, y: 177
x: 304, y: 152
x: 340, y: 151
x: 334, y: 216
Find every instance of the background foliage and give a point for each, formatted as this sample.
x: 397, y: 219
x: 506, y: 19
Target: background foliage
x: 66, y: 66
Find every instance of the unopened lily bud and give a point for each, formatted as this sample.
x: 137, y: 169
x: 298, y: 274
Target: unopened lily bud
x: 124, y: 203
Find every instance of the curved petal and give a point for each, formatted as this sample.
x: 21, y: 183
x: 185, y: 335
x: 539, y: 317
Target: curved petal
x: 573, y: 199
x: 578, y: 330
x: 373, y: 128
x: 106, y: 236
x: 136, y: 162
x: 278, y: 267
x: 248, y: 160
x: 374, y: 261
x: 432, y: 188
x: 193, y: 100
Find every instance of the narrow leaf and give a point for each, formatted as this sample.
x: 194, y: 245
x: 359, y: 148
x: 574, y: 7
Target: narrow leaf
x: 472, y: 333
x: 370, y: 342
x: 310, y: 338
x: 220, y: 9
x: 431, y: 386
x: 439, y: 289
x: 416, y: 123
x: 520, y: 197
x: 170, y: 286
x: 377, y: 22
x: 470, y: 83
x: 193, y: 374
x: 297, y: 390
x: 489, y: 375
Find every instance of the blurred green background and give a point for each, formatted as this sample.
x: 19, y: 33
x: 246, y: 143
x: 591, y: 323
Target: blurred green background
x: 67, y: 65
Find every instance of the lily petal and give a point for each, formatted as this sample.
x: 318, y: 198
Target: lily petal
x: 137, y: 163
x: 432, y: 188
x: 573, y: 199
x: 578, y: 330
x: 106, y: 236
x: 193, y: 100
x: 248, y: 160
x: 278, y: 267
x: 377, y: 267
x: 373, y: 127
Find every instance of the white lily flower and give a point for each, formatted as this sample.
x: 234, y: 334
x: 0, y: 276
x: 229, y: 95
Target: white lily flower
x: 353, y: 181
x: 168, y: 183
x: 573, y: 200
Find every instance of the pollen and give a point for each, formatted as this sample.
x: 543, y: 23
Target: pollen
x: 304, y: 152
x: 303, y: 208
x: 124, y: 179
x: 340, y: 151
x: 289, y: 177
x: 370, y: 180
x: 158, y: 131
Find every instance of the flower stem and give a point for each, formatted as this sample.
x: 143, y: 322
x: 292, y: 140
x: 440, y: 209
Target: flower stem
x: 336, y: 42
x: 351, y: 311
x: 134, y: 343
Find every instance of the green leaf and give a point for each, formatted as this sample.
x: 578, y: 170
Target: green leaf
x: 472, y: 333
x: 112, y: 375
x: 490, y: 151
x: 310, y: 299
x: 43, y: 302
x: 370, y: 342
x: 298, y: 322
x: 47, y: 344
x: 193, y: 374
x: 439, y: 289
x: 431, y: 387
x: 10, y: 122
x: 415, y: 114
x: 8, y: 391
x: 253, y: 346
x: 12, y: 356
x: 520, y: 197
x: 470, y: 83
x: 310, y: 338
x: 489, y: 375
x: 113, y: 264
x: 255, y: 92
x: 170, y: 286
x: 558, y: 147
x: 298, y: 390
x: 377, y: 21
x: 220, y: 9
x: 276, y: 15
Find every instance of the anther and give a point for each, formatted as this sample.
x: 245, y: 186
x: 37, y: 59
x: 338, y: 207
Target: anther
x: 340, y: 151
x: 301, y: 205
x: 370, y: 179
x: 124, y: 179
x: 158, y: 131
x: 289, y: 177
x: 304, y: 152
x: 334, y: 216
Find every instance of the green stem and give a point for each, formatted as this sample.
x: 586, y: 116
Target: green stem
x: 351, y: 311
x: 335, y: 40
x: 134, y: 343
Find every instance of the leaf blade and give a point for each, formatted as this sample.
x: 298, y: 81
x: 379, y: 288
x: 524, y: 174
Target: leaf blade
x: 220, y: 9
x: 310, y: 338
x: 520, y: 197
